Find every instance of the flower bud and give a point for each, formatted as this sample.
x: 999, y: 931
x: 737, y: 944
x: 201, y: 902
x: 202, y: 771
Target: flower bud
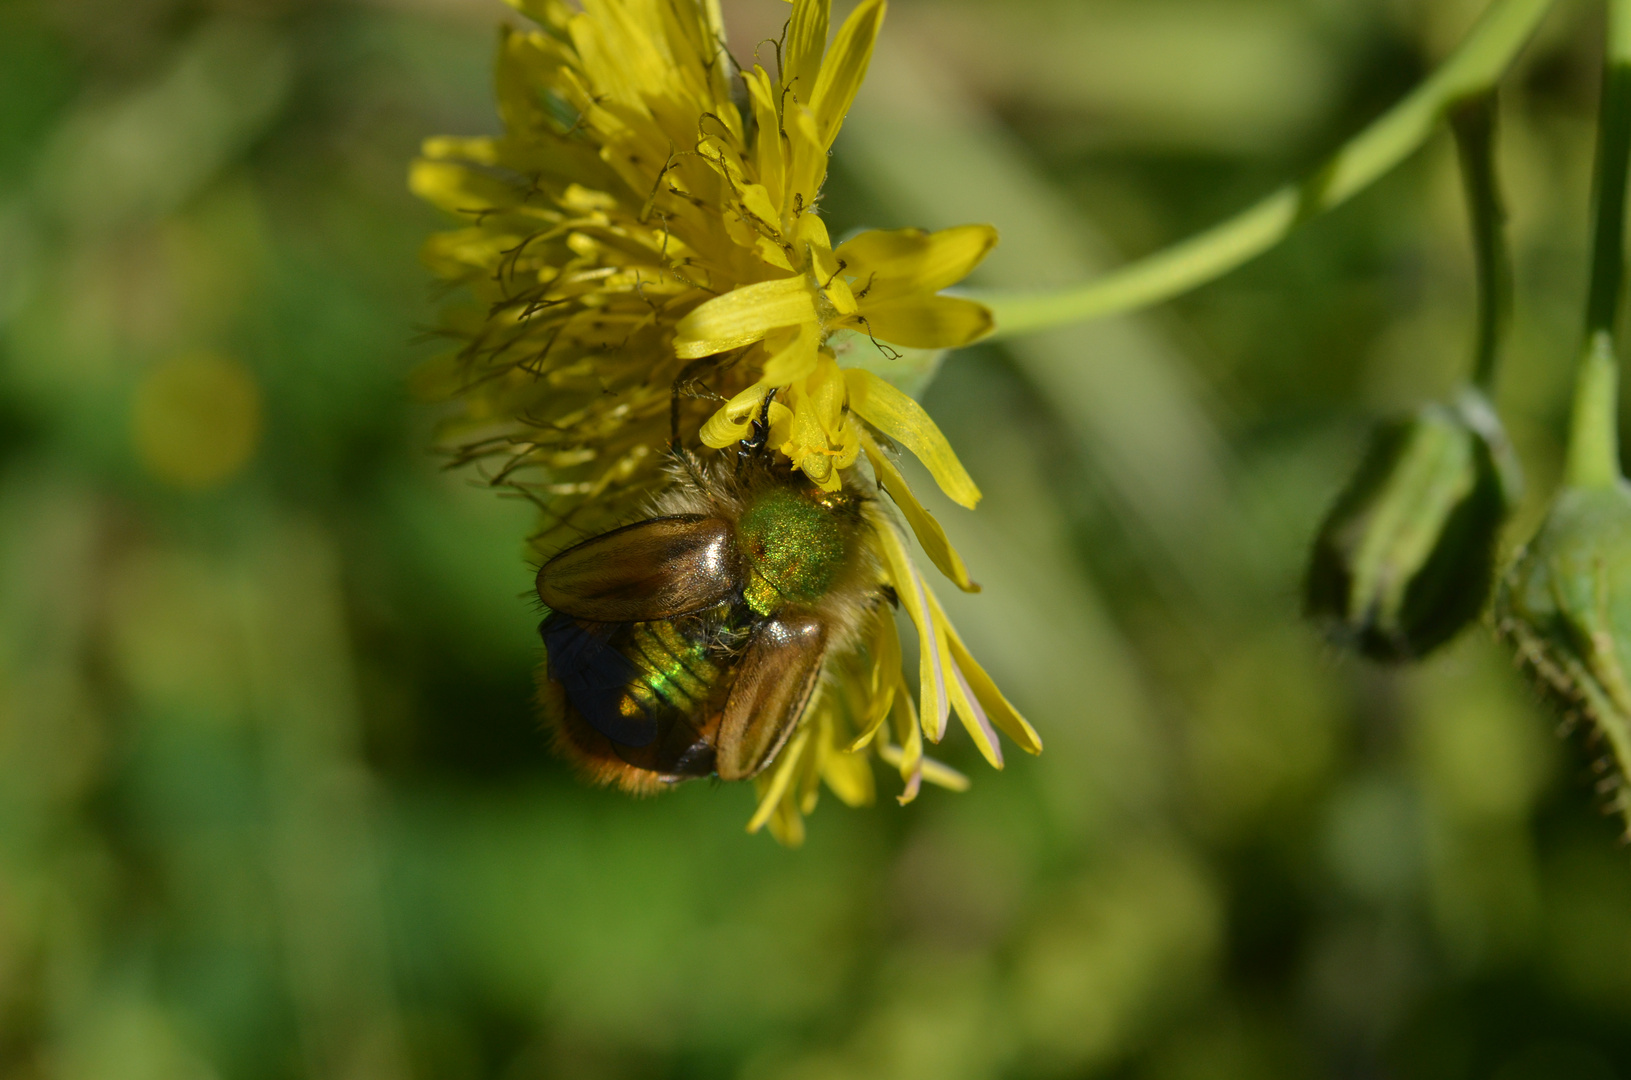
x: 1406, y: 556
x: 1564, y: 605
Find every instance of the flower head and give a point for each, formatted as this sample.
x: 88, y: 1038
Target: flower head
x: 646, y: 232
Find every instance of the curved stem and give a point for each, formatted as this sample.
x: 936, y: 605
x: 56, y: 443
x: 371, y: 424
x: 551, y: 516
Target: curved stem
x: 1593, y: 457
x: 1472, y: 69
x: 1474, y: 127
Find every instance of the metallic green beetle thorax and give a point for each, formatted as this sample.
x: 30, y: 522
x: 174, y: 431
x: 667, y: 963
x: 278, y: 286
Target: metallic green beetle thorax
x: 792, y: 548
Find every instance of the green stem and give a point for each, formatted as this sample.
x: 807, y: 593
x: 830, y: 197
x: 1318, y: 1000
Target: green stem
x: 1472, y: 69
x: 1594, y: 457
x: 1608, y: 195
x: 1594, y: 441
x: 1474, y: 127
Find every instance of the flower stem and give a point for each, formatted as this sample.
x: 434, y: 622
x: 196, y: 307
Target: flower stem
x: 1594, y: 442
x: 1475, y: 66
x: 1593, y: 457
x: 1613, y: 148
x: 1474, y: 125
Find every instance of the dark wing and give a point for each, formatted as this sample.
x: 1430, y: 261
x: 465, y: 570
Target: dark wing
x: 596, y: 677
x: 773, y: 685
x: 655, y: 569
x: 651, y: 690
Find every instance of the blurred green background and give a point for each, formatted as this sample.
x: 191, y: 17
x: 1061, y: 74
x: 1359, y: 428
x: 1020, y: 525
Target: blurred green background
x: 273, y: 799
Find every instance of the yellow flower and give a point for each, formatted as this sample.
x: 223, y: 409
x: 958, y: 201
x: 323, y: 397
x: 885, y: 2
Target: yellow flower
x: 645, y: 233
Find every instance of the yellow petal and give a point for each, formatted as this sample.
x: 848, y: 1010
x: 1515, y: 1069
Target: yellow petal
x: 772, y: 253
x: 827, y: 270
x: 525, y: 61
x: 731, y: 422
x: 806, y: 159
x: 808, y: 434
x: 478, y: 149
x: 807, y: 784
x: 458, y: 189
x: 806, y: 41
x: 825, y: 391
x: 548, y: 12
x: 743, y: 316
x: 904, y: 420
x: 965, y: 702
x: 811, y: 232
x: 884, y: 646
x: 1001, y: 712
x: 847, y: 440
x: 935, y: 772
x: 793, y: 354
x: 848, y: 774
x: 818, y: 467
x: 910, y: 755
x: 455, y: 252
x: 839, y: 295
x: 850, y: 778
x: 932, y: 655
x: 772, y: 787
x: 767, y: 148
x: 618, y: 58
x: 943, y: 775
x: 924, y: 526
x: 781, y: 424
x: 844, y: 68
x: 889, y: 263
x: 926, y: 768
x: 914, y: 767
x: 926, y: 321
x: 786, y: 825
x: 584, y: 200
x: 756, y: 199
x: 721, y: 430
x: 821, y: 441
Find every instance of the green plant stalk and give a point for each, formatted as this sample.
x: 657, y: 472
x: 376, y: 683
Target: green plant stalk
x: 1473, y: 69
x: 1474, y: 125
x: 1594, y: 444
x: 1593, y: 455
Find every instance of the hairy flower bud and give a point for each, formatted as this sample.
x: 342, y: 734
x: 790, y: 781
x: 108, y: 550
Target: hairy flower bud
x: 1406, y: 556
x: 1565, y: 607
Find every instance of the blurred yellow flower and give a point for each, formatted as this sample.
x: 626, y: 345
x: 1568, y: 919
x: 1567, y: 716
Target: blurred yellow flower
x: 196, y: 419
x: 646, y: 232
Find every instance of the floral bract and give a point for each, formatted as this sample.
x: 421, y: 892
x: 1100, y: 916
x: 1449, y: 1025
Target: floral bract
x: 649, y: 222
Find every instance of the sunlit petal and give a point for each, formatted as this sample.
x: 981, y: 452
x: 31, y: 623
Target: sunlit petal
x: 889, y: 263
x: 905, y: 421
x: 844, y: 67
x: 743, y: 316
x: 927, y: 322
x: 927, y: 530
